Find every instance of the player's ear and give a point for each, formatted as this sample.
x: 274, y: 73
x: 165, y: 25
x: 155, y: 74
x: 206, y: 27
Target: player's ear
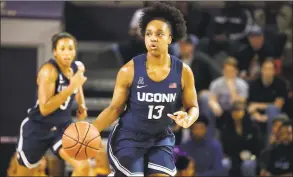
x: 54, y: 52
x: 170, y: 39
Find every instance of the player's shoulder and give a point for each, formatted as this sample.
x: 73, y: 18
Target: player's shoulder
x: 186, y: 68
x: 128, y: 67
x: 126, y: 72
x: 181, y: 64
x: 186, y: 71
x: 48, y: 69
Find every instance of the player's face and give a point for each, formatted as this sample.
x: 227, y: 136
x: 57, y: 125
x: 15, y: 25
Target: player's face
x: 157, y: 37
x: 65, y: 51
x: 199, y: 130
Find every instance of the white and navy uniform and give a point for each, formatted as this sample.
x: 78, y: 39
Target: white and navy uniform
x: 142, y: 142
x: 38, y: 133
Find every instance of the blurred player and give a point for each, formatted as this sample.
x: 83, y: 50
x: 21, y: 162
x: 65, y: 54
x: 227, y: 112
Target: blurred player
x: 153, y: 86
x: 12, y: 169
x: 59, y: 81
x: 100, y: 165
x: 41, y: 168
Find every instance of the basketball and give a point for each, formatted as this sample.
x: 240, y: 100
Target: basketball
x: 81, y: 140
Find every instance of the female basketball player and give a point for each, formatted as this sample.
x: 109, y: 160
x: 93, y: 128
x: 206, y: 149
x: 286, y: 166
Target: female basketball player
x: 153, y: 86
x: 59, y: 81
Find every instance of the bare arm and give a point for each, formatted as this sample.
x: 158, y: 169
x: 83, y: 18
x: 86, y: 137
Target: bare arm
x: 120, y: 96
x: 79, y: 97
x: 48, y: 103
x: 189, y: 95
x: 186, y: 119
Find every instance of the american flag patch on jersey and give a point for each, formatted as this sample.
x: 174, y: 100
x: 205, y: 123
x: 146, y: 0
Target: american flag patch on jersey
x: 173, y: 85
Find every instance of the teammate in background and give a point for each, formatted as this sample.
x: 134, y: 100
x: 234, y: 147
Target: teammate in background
x: 153, y: 86
x: 59, y: 81
x: 40, y: 170
x: 12, y: 168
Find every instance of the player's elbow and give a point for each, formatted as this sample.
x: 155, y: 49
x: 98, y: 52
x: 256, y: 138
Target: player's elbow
x: 116, y: 109
x: 43, y: 110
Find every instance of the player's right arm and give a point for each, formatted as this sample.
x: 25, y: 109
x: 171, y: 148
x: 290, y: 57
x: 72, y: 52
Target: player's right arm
x: 112, y: 112
x: 47, y: 76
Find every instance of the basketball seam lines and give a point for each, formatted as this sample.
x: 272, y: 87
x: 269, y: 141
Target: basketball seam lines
x: 83, y: 139
x: 72, y: 145
x: 89, y: 143
x: 81, y: 143
x: 73, y: 138
x: 91, y: 140
x: 77, y: 132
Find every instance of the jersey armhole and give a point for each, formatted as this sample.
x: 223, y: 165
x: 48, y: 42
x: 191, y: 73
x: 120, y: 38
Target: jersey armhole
x: 179, y: 69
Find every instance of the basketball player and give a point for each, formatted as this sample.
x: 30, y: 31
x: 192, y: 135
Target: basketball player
x: 153, y: 86
x: 59, y: 81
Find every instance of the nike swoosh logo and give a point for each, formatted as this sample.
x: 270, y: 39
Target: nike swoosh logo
x: 141, y: 86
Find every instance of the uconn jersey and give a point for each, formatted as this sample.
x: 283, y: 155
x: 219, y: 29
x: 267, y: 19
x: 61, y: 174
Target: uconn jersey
x: 150, y: 101
x: 63, y: 113
x: 38, y: 133
x: 142, y: 142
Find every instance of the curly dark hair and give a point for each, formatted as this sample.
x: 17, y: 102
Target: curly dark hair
x: 167, y: 13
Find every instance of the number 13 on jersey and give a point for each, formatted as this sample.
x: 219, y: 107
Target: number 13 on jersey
x: 155, y: 112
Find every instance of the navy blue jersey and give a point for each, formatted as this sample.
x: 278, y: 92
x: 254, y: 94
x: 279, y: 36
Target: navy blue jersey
x: 149, y: 102
x: 63, y: 113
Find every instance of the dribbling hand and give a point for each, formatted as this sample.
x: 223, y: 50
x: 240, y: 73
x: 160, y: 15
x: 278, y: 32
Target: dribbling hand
x: 81, y: 113
x: 80, y: 66
x: 181, y: 118
x: 77, y: 80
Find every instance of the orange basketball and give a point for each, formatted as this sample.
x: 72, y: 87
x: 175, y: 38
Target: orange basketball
x: 81, y: 140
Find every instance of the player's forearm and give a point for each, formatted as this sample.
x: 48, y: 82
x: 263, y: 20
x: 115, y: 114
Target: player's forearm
x: 80, y: 98
x: 193, y: 114
x: 107, y: 118
x: 56, y: 101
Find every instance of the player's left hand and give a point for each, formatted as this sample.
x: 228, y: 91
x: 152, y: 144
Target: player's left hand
x: 81, y: 113
x: 180, y: 117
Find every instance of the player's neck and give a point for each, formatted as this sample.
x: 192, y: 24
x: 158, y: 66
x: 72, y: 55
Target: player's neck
x: 64, y: 69
x: 162, y: 60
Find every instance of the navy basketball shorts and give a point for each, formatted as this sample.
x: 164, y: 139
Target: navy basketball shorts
x: 35, y: 139
x: 133, y: 154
